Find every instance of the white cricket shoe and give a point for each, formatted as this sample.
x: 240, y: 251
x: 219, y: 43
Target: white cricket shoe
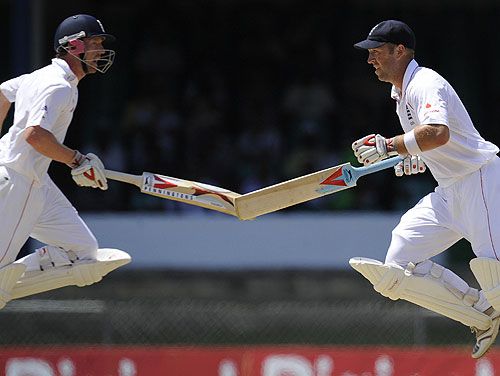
x: 486, y: 338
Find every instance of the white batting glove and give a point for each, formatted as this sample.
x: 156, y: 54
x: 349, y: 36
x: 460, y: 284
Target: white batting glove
x: 90, y: 173
x: 410, y: 165
x: 373, y: 148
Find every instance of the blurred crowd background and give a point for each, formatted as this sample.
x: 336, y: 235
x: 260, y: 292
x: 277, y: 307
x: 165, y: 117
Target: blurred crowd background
x: 244, y: 94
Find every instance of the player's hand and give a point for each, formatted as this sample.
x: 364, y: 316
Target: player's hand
x: 373, y: 148
x: 90, y: 173
x: 410, y: 165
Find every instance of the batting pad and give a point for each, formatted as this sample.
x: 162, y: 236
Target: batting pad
x: 487, y: 273
x: 9, y: 275
x: 428, y: 291
x: 80, y: 273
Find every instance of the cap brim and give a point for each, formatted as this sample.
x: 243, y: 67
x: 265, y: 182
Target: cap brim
x: 366, y: 44
x: 107, y: 37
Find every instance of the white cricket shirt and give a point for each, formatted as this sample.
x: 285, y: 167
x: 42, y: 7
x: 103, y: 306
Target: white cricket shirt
x: 427, y: 98
x: 45, y: 97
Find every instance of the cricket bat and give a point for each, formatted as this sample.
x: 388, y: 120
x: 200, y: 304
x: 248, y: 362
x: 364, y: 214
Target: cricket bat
x: 187, y: 191
x: 256, y: 203
x: 305, y: 188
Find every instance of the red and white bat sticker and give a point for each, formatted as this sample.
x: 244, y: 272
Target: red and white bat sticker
x: 203, y: 193
x: 337, y: 178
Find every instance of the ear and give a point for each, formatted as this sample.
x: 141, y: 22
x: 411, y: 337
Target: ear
x: 76, y: 47
x: 400, y: 50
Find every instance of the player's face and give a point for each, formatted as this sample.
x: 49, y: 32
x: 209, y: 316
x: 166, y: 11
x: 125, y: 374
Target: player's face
x: 93, y: 50
x: 384, y: 60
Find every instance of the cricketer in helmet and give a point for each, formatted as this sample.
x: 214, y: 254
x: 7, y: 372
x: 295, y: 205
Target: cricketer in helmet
x: 82, y: 36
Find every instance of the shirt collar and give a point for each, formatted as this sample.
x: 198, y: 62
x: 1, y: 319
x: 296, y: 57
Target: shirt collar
x: 68, y: 73
x: 397, y: 94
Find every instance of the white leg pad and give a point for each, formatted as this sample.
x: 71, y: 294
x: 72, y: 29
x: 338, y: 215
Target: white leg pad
x: 9, y: 275
x: 487, y: 273
x: 80, y: 273
x: 427, y: 291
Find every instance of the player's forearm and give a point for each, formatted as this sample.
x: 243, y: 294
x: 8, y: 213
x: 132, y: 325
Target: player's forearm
x: 45, y: 143
x: 428, y: 137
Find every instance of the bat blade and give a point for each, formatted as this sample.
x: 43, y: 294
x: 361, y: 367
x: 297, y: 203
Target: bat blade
x: 305, y: 188
x: 294, y: 191
x: 191, y: 192
x: 186, y: 191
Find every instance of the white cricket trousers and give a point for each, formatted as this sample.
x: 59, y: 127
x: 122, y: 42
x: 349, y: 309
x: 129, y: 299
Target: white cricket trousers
x: 469, y: 208
x: 41, y: 211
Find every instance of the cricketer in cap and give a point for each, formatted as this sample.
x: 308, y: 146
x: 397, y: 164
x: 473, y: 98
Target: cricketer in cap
x: 30, y: 203
x: 439, y: 134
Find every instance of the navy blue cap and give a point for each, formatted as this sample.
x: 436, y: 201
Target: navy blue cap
x: 390, y: 31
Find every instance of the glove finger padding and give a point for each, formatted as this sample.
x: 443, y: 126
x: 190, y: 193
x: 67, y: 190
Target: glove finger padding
x: 411, y: 165
x: 364, y: 141
x: 372, y: 148
x: 90, y: 173
x: 421, y: 167
x: 369, y: 156
x: 398, y: 169
x: 365, y: 149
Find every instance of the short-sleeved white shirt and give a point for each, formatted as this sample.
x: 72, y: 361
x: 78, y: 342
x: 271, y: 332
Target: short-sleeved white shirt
x: 427, y: 98
x: 45, y: 97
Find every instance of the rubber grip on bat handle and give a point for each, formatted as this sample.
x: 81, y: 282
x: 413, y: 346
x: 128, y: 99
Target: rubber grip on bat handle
x: 382, y: 165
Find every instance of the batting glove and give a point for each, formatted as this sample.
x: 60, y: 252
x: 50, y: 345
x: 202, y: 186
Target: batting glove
x: 90, y: 173
x: 373, y: 148
x: 410, y: 165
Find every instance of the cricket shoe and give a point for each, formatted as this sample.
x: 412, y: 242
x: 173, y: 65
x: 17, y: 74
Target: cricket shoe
x: 486, y: 338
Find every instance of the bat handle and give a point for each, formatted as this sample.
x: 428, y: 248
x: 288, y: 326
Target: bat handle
x: 123, y: 177
x: 387, y: 163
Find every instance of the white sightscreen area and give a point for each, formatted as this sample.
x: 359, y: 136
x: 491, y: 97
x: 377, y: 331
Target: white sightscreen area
x: 218, y: 242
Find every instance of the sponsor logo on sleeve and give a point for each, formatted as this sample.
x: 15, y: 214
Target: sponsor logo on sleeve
x: 409, y: 115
